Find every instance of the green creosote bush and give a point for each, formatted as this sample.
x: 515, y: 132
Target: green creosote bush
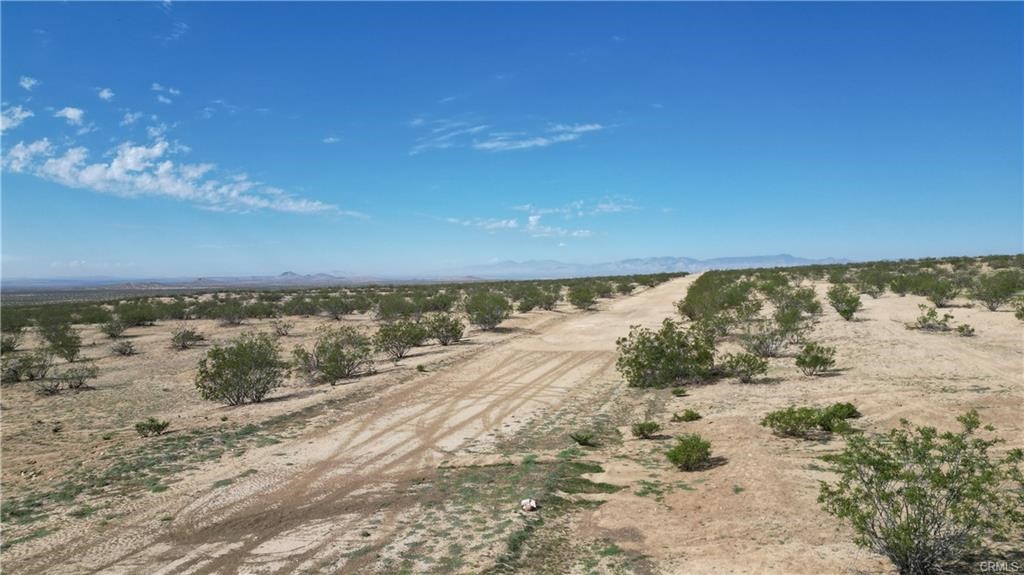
x: 123, y: 347
x: 29, y: 366
x: 686, y: 416
x: 75, y: 377
x: 924, y: 499
x: 764, y: 338
x: 1018, y: 308
x: 10, y: 342
x: 584, y: 438
x: 929, y: 320
x: 680, y: 392
x: 816, y: 359
x: 338, y: 353
x: 282, y: 328
x: 397, y: 338
x: 965, y: 330
x: 844, y: 300
x: 151, y: 427
x: 645, y: 429
x: 582, y: 296
x: 649, y: 358
x: 997, y: 288
x: 487, y: 309
x: 745, y: 366
x: 445, y: 328
x: 808, y: 422
x: 183, y: 337
x: 243, y: 371
x: 690, y: 453
x: 113, y: 328
x: 63, y: 339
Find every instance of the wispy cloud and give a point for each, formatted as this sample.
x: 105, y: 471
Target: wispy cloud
x: 106, y: 94
x: 130, y: 118
x: 28, y: 82
x: 74, y: 116
x: 163, y: 99
x: 486, y: 223
x: 164, y: 92
x: 12, y: 116
x: 152, y: 169
x: 331, y: 140
x: 448, y: 133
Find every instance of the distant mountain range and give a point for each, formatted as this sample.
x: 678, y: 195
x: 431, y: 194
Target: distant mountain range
x: 532, y: 269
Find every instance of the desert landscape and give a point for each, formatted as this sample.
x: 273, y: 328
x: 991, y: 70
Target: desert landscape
x: 421, y: 466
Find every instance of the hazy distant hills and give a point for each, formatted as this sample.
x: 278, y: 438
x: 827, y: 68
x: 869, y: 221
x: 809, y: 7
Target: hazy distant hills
x: 533, y: 269
x: 541, y: 269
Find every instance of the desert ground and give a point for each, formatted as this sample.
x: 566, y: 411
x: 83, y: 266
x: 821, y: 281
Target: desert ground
x: 420, y: 467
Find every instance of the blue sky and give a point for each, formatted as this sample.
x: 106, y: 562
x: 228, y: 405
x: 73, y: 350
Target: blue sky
x: 145, y: 140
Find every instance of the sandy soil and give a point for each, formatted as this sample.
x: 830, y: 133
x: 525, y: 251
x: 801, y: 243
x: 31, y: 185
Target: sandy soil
x: 359, y: 471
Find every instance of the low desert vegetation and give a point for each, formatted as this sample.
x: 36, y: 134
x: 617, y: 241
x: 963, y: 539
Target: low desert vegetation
x: 487, y: 309
x: 184, y: 337
x: 645, y: 429
x: 584, y: 438
x: 649, y: 358
x: 844, y: 300
x: 243, y: 371
x: 816, y: 359
x: 124, y: 348
x: 445, y: 328
x: 690, y: 452
x: 744, y: 366
x: 810, y: 422
x: 339, y: 353
x: 924, y: 499
x: 151, y: 427
x: 686, y: 415
x: 395, y: 339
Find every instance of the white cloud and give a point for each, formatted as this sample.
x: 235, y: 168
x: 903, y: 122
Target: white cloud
x: 28, y: 83
x: 557, y: 133
x: 21, y: 156
x: 106, y: 94
x: 74, y: 116
x: 130, y: 118
x: 486, y: 223
x: 174, y: 91
x: 149, y: 170
x: 539, y: 230
x: 445, y: 134
x: 614, y: 206
x: 156, y: 87
x: 331, y: 140
x: 163, y: 99
x: 12, y: 117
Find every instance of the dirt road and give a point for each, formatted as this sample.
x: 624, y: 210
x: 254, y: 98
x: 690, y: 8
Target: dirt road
x: 301, y: 505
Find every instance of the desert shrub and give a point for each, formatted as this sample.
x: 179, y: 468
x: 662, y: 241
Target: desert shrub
x: 246, y: 370
x: 528, y: 298
x: 397, y: 338
x: 394, y: 306
x: 63, y: 339
x: 650, y: 358
x: 679, y: 392
x: 763, y: 338
x: 338, y: 353
x: 807, y: 422
x: 183, y: 337
x: 923, y: 499
x: 582, y: 296
x: 33, y: 366
x: 624, y: 287
x: 816, y: 359
x: 690, y: 453
x: 113, y: 328
x: 965, y: 330
x: 584, y: 438
x: 151, y: 427
x: 745, y: 366
x: 9, y: 342
x: 929, y: 320
x: 686, y: 415
x: 50, y: 386
x: 230, y: 312
x: 487, y: 309
x: 549, y: 300
x: 132, y: 314
x: 872, y: 281
x: 297, y: 305
x: 997, y: 288
x: 939, y: 290
x: 259, y: 310
x: 75, y: 377
x: 844, y: 300
x: 1018, y: 308
x: 123, y: 347
x: 281, y: 328
x: 337, y: 307
x: 645, y: 429
x: 714, y: 292
x: 445, y: 328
